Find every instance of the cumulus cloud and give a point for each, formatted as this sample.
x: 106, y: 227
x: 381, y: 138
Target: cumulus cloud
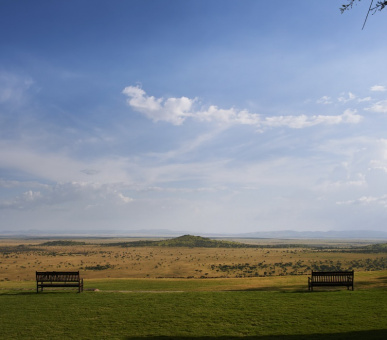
x: 177, y: 110
x: 228, y: 116
x: 380, y: 106
x: 378, y: 88
x: 172, y: 110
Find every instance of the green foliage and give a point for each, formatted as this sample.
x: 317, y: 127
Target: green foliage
x: 99, y: 267
x: 369, y: 249
x: 63, y: 243
x: 197, y: 241
x: 142, y: 243
x: 22, y: 248
x: 194, y: 315
x: 376, y: 248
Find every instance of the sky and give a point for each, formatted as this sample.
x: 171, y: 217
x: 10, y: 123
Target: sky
x: 207, y: 116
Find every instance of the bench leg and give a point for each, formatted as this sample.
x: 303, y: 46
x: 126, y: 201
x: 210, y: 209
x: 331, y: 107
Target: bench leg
x: 37, y: 288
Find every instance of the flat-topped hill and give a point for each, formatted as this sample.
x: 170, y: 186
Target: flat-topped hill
x: 185, y: 241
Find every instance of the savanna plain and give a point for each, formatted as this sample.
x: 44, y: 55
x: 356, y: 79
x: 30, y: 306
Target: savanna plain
x: 192, y: 288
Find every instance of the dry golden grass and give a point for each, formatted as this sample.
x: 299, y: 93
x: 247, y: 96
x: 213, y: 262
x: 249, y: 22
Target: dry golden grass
x: 19, y: 259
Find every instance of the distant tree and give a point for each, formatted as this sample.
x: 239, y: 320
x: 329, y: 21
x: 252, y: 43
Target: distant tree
x: 377, y: 7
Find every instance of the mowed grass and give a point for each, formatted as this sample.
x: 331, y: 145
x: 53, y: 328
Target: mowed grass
x: 339, y: 314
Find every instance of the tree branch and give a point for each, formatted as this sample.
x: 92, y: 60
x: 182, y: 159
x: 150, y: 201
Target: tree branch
x: 378, y: 6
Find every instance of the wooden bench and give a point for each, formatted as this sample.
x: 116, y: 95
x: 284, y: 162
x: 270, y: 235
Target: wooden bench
x: 330, y: 279
x: 58, y: 279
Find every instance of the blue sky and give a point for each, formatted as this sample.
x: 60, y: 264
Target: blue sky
x: 201, y: 116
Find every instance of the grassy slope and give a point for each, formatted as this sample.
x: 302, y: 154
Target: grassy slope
x: 248, y: 308
x: 192, y: 315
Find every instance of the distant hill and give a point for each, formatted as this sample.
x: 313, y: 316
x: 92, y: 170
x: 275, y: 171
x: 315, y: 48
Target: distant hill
x: 63, y: 243
x: 185, y: 241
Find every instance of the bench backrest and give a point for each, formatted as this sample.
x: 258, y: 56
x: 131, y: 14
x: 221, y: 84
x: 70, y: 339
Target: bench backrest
x: 57, y: 276
x: 332, y: 276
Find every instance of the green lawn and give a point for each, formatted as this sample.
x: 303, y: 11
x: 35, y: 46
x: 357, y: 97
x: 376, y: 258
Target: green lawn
x: 339, y: 314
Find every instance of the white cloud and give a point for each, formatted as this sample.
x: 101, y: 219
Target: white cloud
x: 380, y: 107
x: 172, y: 110
x: 228, y: 116
x: 383, y: 168
x: 378, y: 88
x: 346, y: 97
x: 343, y: 185
x: 123, y: 198
x: 366, y: 200
x: 176, y: 110
x: 324, y: 100
x: 303, y: 121
x: 365, y: 99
